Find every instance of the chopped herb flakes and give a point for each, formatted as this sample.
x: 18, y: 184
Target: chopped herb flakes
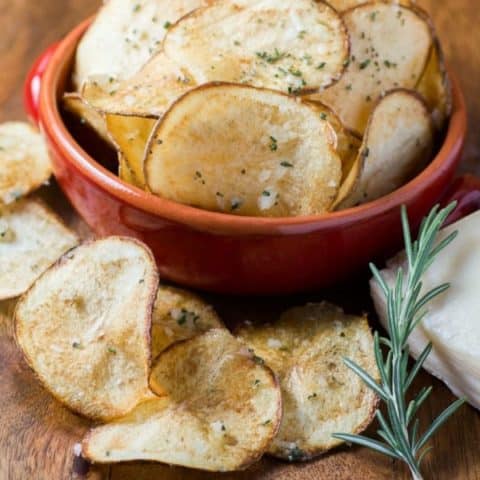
x: 286, y: 164
x: 186, y: 315
x: 273, y: 144
x: 295, y: 72
x: 137, y: 8
x: 365, y: 64
x: 167, y: 25
x: 77, y: 345
x: 112, y: 350
x: 271, y: 57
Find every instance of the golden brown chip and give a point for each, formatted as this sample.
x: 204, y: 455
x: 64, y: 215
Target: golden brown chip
x: 124, y: 35
x: 24, y: 162
x: 350, y: 179
x: 130, y: 135
x: 390, y: 46
x: 149, y: 93
x: 125, y: 172
x: 398, y: 143
x: 179, y: 315
x: 287, y: 45
x: 222, y: 409
x: 243, y: 150
x: 32, y: 238
x: 435, y: 88
x: 84, y: 326
x: 321, y: 395
x: 347, y: 147
x: 74, y: 103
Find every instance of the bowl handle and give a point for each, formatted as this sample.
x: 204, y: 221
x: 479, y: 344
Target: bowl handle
x: 33, y: 83
x: 465, y: 190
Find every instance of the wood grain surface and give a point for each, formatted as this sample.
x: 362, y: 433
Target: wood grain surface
x: 37, y: 435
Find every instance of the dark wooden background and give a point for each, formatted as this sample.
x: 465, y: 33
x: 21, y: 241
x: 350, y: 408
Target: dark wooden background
x: 37, y: 435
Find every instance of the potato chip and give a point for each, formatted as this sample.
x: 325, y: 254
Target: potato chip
x: 351, y: 177
x: 321, y: 395
x: 24, y: 162
x: 398, y: 143
x: 348, y: 144
x: 390, y: 46
x: 222, y: 410
x: 434, y: 85
x: 287, y: 45
x: 32, y: 238
x: 147, y: 94
x: 125, y: 172
x: 84, y: 327
x: 243, y: 150
x: 124, y: 36
x: 179, y: 315
x: 130, y: 135
x: 74, y: 103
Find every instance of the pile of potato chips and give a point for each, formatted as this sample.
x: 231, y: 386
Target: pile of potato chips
x: 269, y: 108
x: 155, y: 367
x: 209, y: 400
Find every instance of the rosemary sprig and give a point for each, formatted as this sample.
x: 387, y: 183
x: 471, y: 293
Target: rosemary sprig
x: 399, y: 429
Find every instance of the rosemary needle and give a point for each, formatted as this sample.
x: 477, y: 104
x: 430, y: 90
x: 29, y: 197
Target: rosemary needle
x: 399, y: 429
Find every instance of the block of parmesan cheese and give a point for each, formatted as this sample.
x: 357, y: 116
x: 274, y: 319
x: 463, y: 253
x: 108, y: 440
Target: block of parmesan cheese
x: 453, y: 320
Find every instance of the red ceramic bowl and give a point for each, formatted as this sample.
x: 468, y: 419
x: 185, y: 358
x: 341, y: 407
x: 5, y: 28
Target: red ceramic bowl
x: 226, y: 253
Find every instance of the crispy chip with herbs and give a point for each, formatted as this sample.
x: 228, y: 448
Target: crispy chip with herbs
x: 246, y: 151
x: 124, y: 35
x: 179, y: 315
x: 130, y: 135
x: 288, y: 45
x: 221, y: 410
x: 435, y: 88
x: 149, y: 93
x: 75, y: 104
x: 32, y: 238
x: 390, y: 46
x: 24, y: 161
x: 398, y: 143
x: 84, y: 326
x: 321, y: 395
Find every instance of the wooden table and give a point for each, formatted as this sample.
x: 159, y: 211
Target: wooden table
x: 37, y: 435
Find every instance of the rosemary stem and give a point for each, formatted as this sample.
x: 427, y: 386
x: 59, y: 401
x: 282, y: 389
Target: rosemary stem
x: 416, y: 475
x: 405, y: 308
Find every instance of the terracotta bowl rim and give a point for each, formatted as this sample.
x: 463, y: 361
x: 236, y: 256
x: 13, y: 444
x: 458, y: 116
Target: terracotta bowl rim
x: 54, y: 126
